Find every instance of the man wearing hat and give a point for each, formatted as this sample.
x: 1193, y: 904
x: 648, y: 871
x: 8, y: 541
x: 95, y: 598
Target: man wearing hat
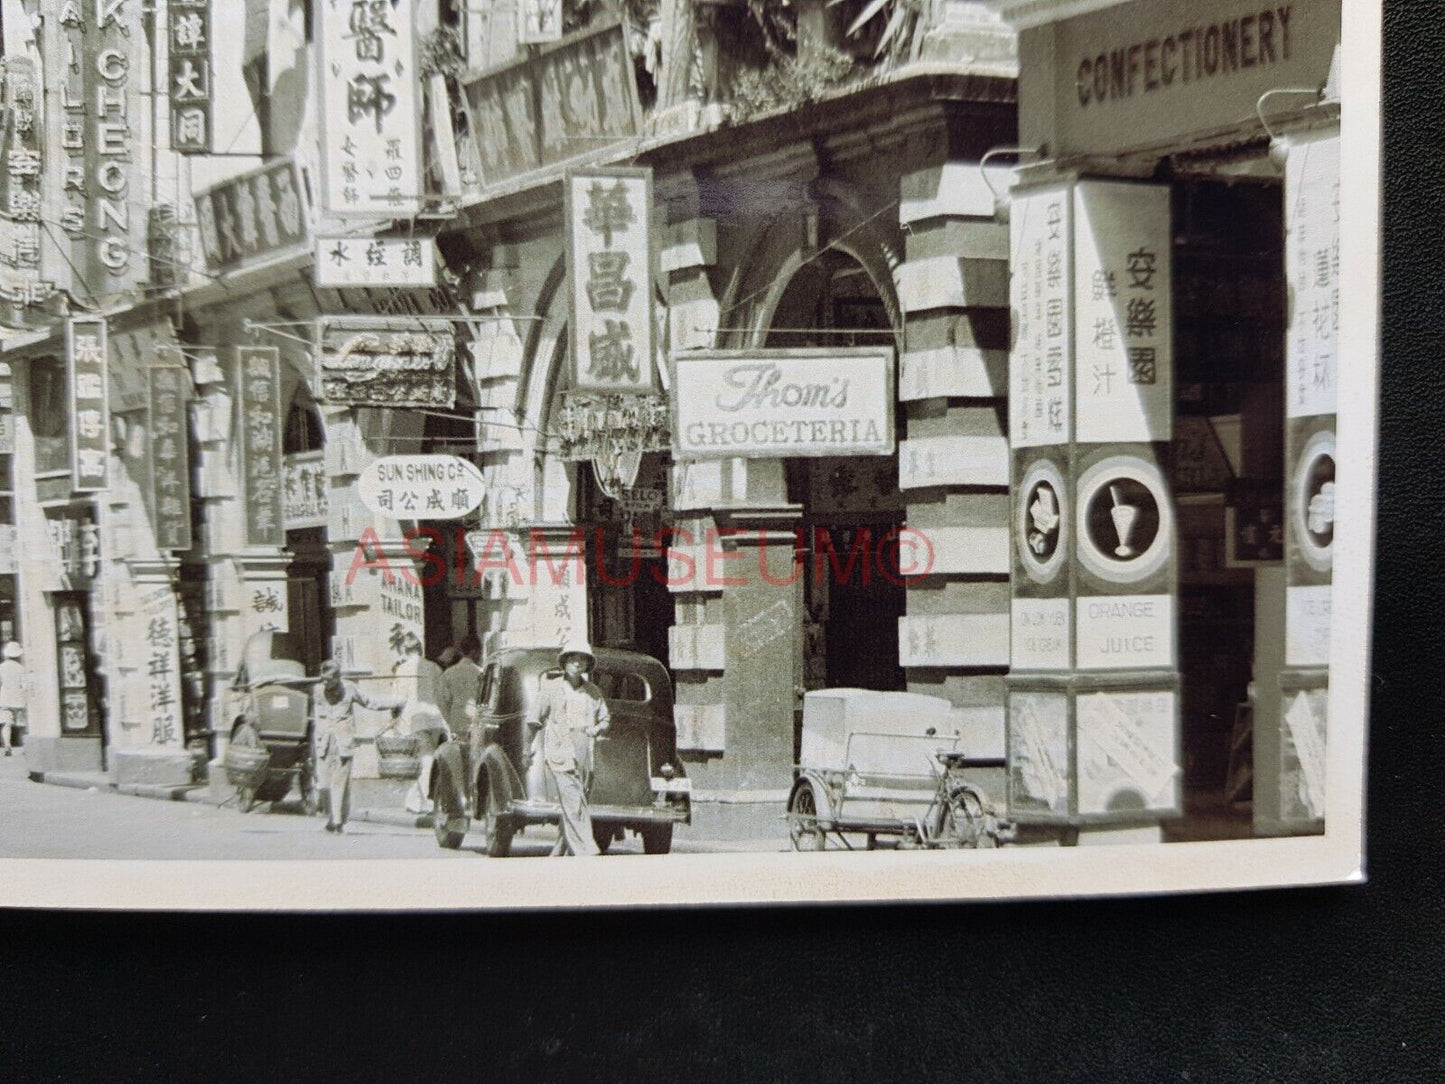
x: 572, y: 713
x: 12, y: 693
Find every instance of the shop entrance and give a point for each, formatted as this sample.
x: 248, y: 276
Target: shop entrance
x: 852, y: 508
x: 1229, y: 298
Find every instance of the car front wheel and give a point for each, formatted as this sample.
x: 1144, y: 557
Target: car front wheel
x: 449, y: 820
x: 495, y: 827
x: 656, y: 839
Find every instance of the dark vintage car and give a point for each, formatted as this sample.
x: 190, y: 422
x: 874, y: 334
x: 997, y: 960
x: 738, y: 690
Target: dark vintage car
x: 490, y: 779
x: 272, y: 712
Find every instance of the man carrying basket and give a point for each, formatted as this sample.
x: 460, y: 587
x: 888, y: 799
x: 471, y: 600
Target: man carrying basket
x: 335, y: 706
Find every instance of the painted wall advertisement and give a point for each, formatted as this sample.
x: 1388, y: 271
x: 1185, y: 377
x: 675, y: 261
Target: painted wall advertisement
x: 1041, y: 296
x: 1038, y: 752
x: 764, y: 404
x: 386, y: 360
x: 1124, y: 366
x: 375, y: 261
x: 251, y: 216
x: 609, y: 266
x: 189, y: 45
x: 85, y: 353
x: 1126, y: 752
x: 258, y: 380
x: 169, y: 458
x: 370, y: 108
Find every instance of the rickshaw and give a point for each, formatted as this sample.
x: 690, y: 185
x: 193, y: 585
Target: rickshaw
x: 271, y: 746
x: 888, y: 764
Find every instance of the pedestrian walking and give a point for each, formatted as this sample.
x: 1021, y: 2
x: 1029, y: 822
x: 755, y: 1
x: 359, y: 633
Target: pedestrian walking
x: 418, y: 685
x: 572, y: 714
x: 460, y: 684
x: 335, y: 704
x: 13, y: 693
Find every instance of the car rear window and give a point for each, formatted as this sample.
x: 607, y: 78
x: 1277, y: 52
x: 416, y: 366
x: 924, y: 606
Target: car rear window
x: 623, y: 685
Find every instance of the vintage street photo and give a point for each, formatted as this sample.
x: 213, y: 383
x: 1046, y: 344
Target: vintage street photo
x: 770, y: 451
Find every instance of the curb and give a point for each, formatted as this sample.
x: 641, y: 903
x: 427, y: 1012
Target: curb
x: 398, y: 818
x: 185, y: 792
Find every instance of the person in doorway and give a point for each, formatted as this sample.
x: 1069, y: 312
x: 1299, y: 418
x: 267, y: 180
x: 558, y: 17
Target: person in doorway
x: 418, y: 684
x: 335, y: 705
x: 572, y: 714
x: 12, y: 694
x: 460, y: 684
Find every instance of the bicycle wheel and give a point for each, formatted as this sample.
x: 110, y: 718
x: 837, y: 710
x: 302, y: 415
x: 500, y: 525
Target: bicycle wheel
x: 966, y: 820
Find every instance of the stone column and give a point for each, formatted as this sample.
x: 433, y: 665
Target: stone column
x: 953, y: 458
x: 1289, y: 777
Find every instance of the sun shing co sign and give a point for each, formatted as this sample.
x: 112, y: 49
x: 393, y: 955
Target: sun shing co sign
x: 765, y: 404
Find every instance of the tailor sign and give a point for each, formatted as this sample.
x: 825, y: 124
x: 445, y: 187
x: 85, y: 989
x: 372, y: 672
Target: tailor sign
x: 783, y: 403
x: 421, y: 487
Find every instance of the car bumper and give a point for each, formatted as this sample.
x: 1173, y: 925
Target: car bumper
x: 535, y: 812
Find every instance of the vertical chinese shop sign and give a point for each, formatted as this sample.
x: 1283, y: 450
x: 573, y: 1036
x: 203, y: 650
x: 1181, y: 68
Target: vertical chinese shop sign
x: 258, y: 377
x: 170, y: 473
x: 85, y: 353
x: 370, y: 109
x: 190, y: 76
x: 609, y: 221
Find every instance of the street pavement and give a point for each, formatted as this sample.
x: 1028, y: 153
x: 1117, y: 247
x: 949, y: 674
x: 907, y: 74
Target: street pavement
x: 38, y: 820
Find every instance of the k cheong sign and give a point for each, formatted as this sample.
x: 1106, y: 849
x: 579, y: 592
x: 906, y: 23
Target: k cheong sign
x: 783, y: 403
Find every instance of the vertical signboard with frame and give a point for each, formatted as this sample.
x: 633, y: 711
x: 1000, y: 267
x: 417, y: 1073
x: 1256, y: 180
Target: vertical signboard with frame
x: 189, y: 46
x: 85, y: 354
x: 258, y: 387
x: 170, y: 470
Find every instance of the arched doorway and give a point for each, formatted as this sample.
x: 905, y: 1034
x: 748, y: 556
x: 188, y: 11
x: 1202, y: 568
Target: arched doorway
x: 851, y: 504
x: 304, y: 501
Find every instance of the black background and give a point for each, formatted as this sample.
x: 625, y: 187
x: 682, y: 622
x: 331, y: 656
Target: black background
x: 1318, y: 984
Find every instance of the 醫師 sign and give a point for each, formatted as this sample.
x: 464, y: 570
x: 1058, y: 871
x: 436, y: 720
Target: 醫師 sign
x: 782, y: 403
x: 421, y: 487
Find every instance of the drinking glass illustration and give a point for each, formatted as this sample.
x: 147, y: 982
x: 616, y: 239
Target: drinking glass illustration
x: 1124, y: 517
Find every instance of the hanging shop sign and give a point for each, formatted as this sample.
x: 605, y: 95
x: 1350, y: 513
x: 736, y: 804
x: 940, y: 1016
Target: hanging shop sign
x: 565, y: 101
x: 258, y: 387
x: 304, y: 495
x: 589, y: 424
x: 101, y: 109
x: 1041, y: 297
x: 21, y: 178
x: 189, y: 44
x: 1144, y: 73
x: 169, y: 459
x: 1124, y: 312
x: 375, y: 261
x: 370, y: 109
x: 421, y: 487
x: 541, y: 22
x: 765, y: 404
x: 75, y: 543
x: 85, y: 353
x: 609, y: 267
x: 1312, y: 213
x: 386, y: 360
x: 251, y: 216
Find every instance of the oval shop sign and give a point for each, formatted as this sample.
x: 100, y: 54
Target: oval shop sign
x: 421, y: 487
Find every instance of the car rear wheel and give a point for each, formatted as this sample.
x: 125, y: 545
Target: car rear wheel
x: 449, y: 820
x: 803, y: 820
x: 656, y: 839
x: 602, y: 835
x: 495, y: 827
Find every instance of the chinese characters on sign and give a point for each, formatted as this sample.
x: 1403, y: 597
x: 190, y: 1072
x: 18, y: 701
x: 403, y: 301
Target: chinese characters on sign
x: 1312, y: 218
x: 1042, y: 302
x: 376, y: 261
x: 304, y: 490
x: 371, y: 108
x: 162, y: 667
x: 85, y: 351
x: 7, y: 410
x: 567, y: 101
x: 421, y: 486
x: 23, y: 149
x: 386, y: 361
x: 190, y: 75
x: 253, y: 215
x: 1122, y: 298
x: 258, y: 378
x: 609, y: 251
x: 170, y: 470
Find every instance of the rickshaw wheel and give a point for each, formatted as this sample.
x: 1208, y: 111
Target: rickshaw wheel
x: 964, y: 821
x: 310, y: 795
x: 245, y: 736
x: 495, y: 829
x: 445, y: 811
x: 803, y: 820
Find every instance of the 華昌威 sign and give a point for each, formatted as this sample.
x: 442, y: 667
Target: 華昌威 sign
x: 609, y: 268
x: 251, y: 216
x: 258, y: 379
x: 169, y: 458
x: 370, y: 108
x: 375, y: 261
x: 189, y: 46
x: 386, y: 360
x: 85, y: 353
x: 783, y: 403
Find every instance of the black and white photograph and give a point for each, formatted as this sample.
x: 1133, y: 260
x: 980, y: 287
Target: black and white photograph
x: 775, y: 451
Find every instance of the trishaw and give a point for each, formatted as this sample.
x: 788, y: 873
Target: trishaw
x: 888, y: 764
x: 272, y: 744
